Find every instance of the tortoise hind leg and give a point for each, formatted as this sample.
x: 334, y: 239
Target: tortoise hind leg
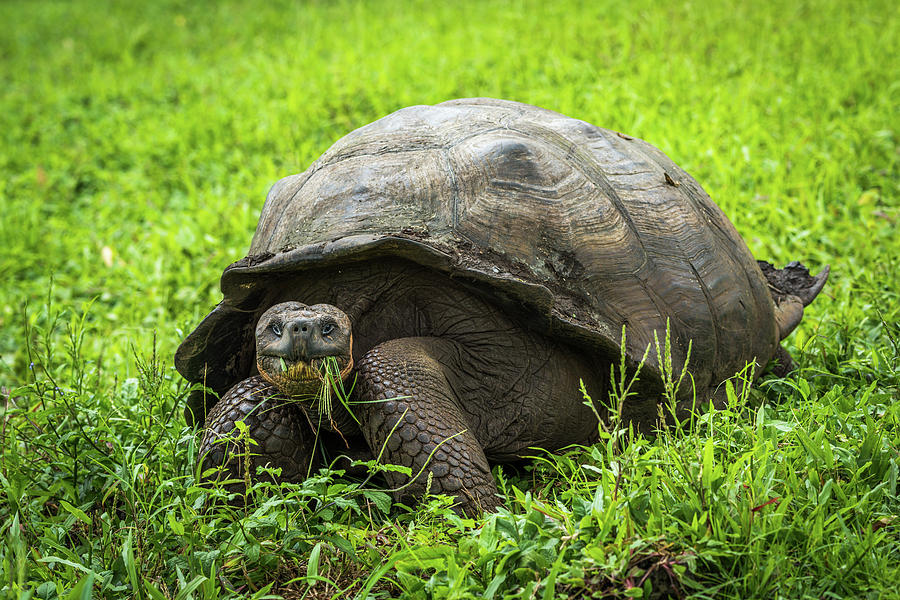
x: 794, y: 279
x: 782, y: 363
x: 792, y: 288
x: 413, y: 417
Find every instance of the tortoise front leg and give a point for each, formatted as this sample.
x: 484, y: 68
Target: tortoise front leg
x: 283, y: 437
x: 412, y: 413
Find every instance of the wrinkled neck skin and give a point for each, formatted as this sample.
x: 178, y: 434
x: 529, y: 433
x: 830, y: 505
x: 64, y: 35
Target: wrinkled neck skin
x: 518, y: 387
x: 340, y: 420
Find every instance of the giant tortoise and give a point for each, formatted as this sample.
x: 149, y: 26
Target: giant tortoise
x: 465, y: 266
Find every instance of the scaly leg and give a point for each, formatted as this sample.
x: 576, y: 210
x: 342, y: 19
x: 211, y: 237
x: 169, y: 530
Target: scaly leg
x: 412, y: 413
x: 282, y: 434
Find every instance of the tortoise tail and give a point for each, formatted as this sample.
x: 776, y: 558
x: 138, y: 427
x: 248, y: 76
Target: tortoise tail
x: 792, y: 288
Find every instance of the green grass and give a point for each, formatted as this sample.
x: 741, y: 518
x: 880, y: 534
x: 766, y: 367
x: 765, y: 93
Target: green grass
x: 138, y: 144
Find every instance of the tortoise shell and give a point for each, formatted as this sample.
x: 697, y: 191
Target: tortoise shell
x: 582, y: 230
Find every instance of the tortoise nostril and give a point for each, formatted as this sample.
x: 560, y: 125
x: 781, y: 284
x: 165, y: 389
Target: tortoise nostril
x: 304, y: 329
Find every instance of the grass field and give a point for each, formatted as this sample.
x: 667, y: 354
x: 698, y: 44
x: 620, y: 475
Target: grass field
x: 139, y: 141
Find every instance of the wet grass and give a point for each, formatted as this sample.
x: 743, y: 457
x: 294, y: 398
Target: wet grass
x: 139, y: 142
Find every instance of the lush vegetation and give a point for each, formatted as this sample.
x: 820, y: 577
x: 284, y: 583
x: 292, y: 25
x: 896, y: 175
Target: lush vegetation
x: 139, y: 140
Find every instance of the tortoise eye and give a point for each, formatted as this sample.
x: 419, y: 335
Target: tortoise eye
x: 276, y: 329
x: 327, y: 328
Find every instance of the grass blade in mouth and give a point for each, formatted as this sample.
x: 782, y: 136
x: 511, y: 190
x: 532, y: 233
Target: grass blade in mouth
x: 332, y: 383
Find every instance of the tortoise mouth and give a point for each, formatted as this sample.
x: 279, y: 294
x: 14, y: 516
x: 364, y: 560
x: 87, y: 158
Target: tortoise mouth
x: 298, y: 370
x: 301, y: 377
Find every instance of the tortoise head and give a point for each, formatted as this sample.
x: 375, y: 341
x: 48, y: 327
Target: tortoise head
x: 296, y: 344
